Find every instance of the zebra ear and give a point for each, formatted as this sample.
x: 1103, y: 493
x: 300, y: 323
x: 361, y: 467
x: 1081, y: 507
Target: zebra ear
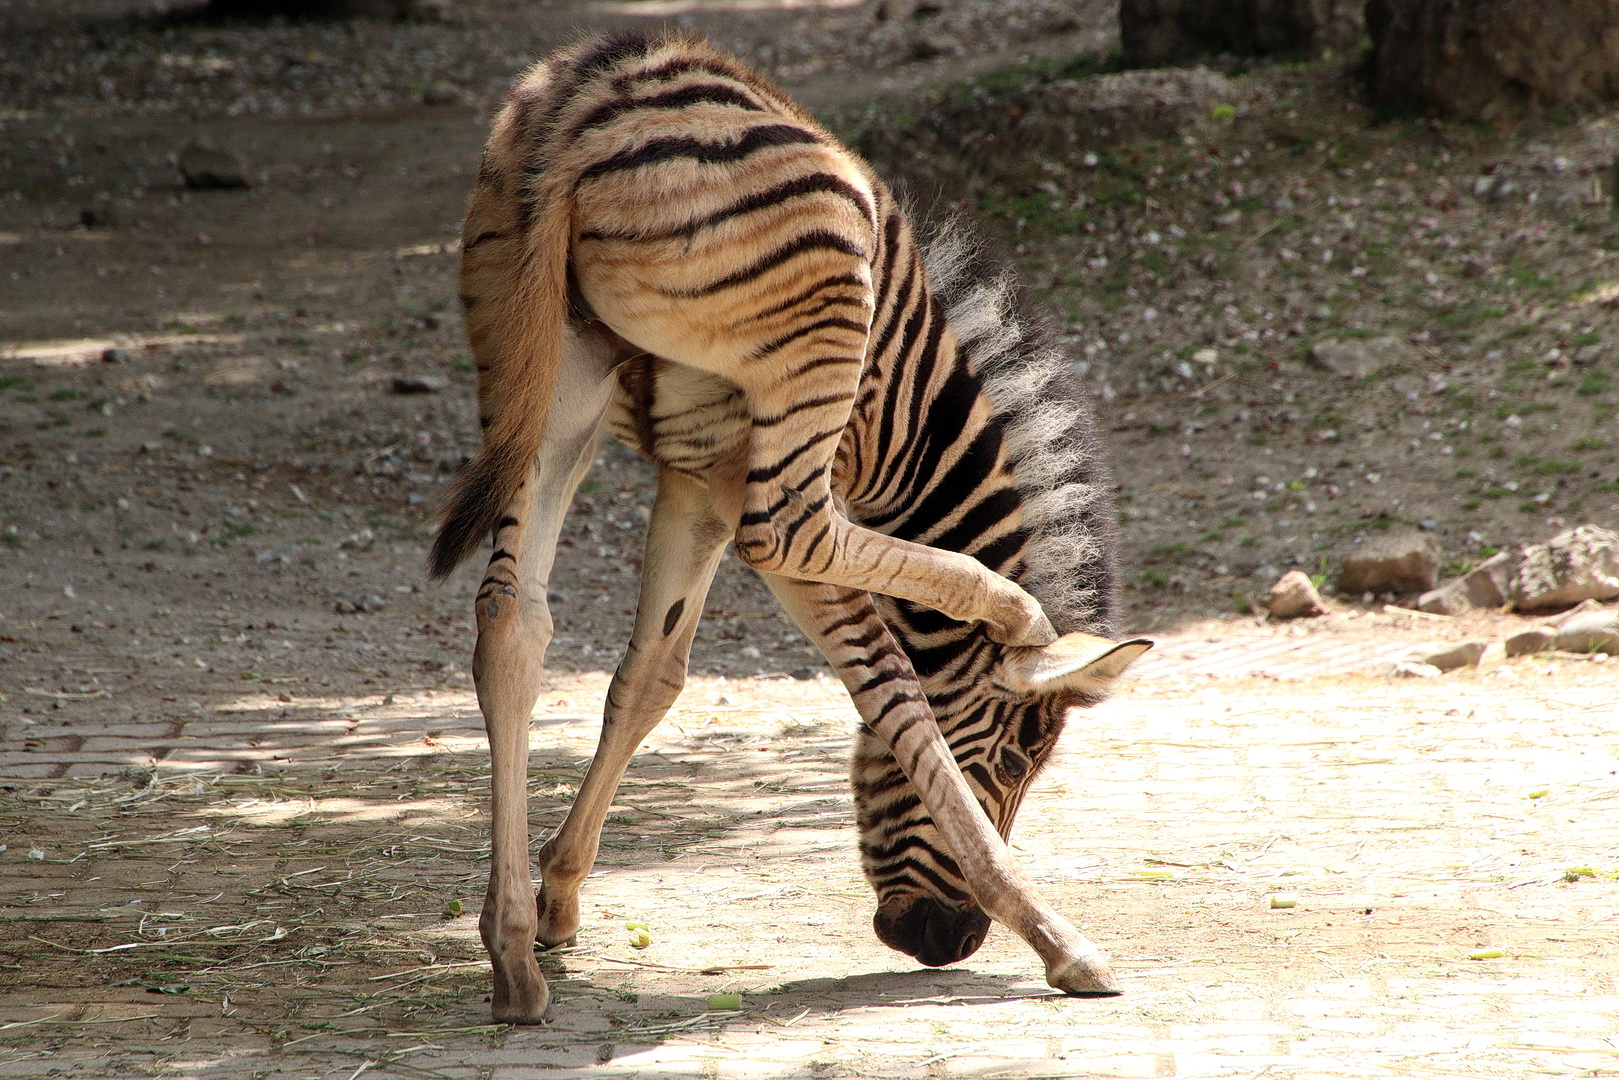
x: 1074, y: 663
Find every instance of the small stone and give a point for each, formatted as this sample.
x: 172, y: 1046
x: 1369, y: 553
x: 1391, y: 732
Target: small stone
x: 116, y: 356
x: 428, y: 11
x: 419, y: 384
x: 1294, y: 596
x: 1537, y: 639
x: 1579, y: 564
x: 1360, y: 358
x: 803, y: 674
x: 1414, y: 669
x: 206, y: 166
x: 1466, y: 654
x: 1400, y: 563
x: 933, y: 45
x: 440, y: 92
x: 1591, y: 632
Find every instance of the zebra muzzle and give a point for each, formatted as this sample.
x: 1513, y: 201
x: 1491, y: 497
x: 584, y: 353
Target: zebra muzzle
x: 936, y: 932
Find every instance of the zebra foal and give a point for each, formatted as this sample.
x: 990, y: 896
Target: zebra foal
x: 661, y: 243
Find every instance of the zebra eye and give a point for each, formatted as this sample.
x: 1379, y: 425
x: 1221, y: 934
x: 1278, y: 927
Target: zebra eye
x: 1013, y: 765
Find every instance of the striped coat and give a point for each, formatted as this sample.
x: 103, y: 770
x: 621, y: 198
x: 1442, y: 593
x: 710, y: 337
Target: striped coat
x: 663, y: 244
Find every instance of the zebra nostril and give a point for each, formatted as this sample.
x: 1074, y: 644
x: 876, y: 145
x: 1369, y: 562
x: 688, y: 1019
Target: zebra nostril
x: 935, y: 932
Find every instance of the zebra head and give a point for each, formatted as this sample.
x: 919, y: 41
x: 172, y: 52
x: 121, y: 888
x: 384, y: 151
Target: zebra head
x: 1002, y: 716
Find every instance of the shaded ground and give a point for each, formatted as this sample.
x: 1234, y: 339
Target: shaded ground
x: 210, y: 552
x: 292, y: 922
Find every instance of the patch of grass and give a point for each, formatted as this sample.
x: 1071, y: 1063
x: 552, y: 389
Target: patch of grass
x: 1585, y: 443
x: 1466, y: 474
x: 1531, y: 280
x: 1556, y: 468
x: 1470, y: 503
x: 1155, y: 578
x: 15, y: 382
x: 1594, y: 383
x: 1212, y: 537
x: 1472, y: 313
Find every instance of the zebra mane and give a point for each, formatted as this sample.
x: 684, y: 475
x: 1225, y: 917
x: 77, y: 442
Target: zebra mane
x: 1047, y: 430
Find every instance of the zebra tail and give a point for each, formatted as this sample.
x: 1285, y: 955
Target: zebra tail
x: 519, y: 365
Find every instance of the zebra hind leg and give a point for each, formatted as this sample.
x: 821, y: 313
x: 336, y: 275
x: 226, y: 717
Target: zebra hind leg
x: 514, y: 630
x: 685, y: 540
x: 846, y: 626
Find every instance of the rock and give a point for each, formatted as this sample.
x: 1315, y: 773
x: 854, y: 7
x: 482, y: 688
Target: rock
x: 1492, y: 60
x: 1451, y: 657
x: 312, y: 9
x: 439, y: 92
x: 1579, y: 564
x: 1584, y: 607
x: 1484, y: 586
x: 428, y: 11
x: 419, y: 384
x: 205, y: 166
x: 1494, y: 655
x: 1592, y: 632
x: 1537, y: 639
x: 1159, y: 32
x: 1414, y: 669
x: 116, y: 355
x: 932, y: 45
x: 1360, y: 358
x: 98, y: 217
x: 1294, y: 596
x: 1402, y: 563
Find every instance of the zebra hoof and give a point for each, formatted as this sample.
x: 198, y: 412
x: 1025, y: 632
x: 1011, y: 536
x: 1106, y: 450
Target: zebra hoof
x: 1085, y: 976
x: 1036, y: 633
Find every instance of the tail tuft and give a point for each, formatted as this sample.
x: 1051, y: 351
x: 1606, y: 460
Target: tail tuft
x: 486, y: 487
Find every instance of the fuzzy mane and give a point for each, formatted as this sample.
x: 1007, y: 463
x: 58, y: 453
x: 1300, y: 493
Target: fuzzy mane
x: 1047, y: 428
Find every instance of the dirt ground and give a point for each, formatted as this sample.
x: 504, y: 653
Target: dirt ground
x: 243, y: 770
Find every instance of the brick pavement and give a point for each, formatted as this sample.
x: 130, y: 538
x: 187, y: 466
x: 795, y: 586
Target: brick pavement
x: 1399, y: 813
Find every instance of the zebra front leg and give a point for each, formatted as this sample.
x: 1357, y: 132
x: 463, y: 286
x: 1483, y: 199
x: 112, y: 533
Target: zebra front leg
x: 514, y: 630
x: 685, y: 540
x: 851, y: 634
